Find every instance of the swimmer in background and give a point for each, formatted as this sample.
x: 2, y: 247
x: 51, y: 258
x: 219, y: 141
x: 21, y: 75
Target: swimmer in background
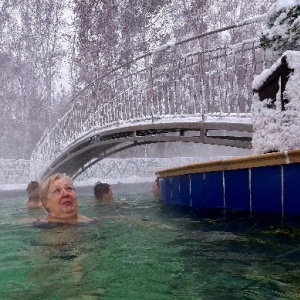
x: 59, y: 198
x: 33, y: 190
x: 103, y: 192
x: 155, y: 189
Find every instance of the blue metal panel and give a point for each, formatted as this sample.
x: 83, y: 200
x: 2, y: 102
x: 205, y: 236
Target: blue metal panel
x: 175, y: 190
x: 214, y: 190
x: 292, y: 190
x: 165, y: 190
x: 197, y: 190
x: 184, y: 190
x: 266, y: 190
x: 206, y: 190
x: 237, y: 193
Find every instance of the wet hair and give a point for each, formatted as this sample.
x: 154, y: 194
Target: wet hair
x: 33, y: 190
x: 32, y: 186
x: 100, y: 189
x: 46, y: 184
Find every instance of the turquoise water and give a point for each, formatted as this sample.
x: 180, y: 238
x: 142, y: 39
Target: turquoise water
x: 140, y: 249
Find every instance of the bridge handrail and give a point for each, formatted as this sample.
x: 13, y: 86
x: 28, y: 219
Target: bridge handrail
x: 259, y: 18
x: 162, y: 90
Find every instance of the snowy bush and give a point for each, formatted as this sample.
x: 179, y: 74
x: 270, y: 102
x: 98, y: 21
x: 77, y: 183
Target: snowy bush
x: 283, y: 31
x: 276, y: 129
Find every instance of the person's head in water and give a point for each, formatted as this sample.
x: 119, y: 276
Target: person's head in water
x: 60, y: 200
x: 155, y: 188
x: 103, y: 192
x: 33, y: 191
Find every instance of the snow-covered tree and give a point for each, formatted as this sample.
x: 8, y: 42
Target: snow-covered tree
x: 32, y: 36
x: 283, y: 32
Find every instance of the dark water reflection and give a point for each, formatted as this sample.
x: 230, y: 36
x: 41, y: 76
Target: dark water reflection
x: 140, y: 249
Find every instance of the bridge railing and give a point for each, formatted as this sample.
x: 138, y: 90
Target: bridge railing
x: 186, y: 79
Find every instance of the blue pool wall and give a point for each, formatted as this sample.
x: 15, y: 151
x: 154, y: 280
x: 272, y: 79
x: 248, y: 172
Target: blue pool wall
x: 269, y: 189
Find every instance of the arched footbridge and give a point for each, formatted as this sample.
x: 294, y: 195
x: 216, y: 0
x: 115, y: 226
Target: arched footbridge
x: 187, y: 91
x: 87, y: 151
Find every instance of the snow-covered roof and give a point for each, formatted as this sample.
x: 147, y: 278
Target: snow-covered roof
x: 293, y: 61
x: 276, y: 129
x: 280, y: 4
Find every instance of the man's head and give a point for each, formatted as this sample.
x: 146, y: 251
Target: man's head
x: 103, y: 192
x: 33, y: 191
x: 155, y: 188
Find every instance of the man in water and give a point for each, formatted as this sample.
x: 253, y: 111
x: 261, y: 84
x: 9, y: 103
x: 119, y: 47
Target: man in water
x: 155, y: 189
x: 103, y: 192
x: 33, y: 190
